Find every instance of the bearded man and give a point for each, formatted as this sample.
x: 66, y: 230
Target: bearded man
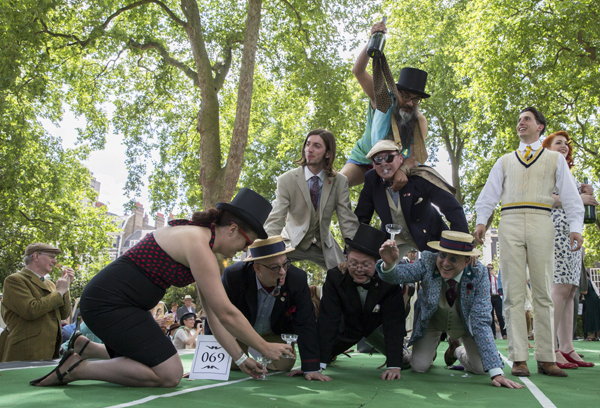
x: 407, y: 127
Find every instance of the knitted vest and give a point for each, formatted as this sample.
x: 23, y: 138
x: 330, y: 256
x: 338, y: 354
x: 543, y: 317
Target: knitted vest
x: 528, y: 184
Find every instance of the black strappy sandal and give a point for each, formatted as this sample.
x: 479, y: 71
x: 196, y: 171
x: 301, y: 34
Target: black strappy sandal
x: 72, y: 341
x: 60, y: 375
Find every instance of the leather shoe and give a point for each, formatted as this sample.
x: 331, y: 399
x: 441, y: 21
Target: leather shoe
x: 550, y: 369
x: 578, y: 362
x: 520, y: 369
x: 449, y: 357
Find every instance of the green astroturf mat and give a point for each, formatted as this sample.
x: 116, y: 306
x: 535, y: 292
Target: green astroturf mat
x: 356, y: 383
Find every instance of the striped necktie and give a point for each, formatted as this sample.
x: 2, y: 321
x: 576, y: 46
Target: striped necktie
x: 527, y: 152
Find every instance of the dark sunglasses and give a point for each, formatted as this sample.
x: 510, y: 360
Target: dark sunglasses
x: 387, y: 157
x: 453, y: 259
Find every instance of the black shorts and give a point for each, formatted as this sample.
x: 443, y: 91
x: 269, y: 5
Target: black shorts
x: 116, y: 305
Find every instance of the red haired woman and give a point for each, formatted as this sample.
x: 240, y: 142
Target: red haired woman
x: 567, y: 264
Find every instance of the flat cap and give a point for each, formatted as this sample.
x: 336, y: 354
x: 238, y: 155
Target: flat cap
x: 39, y: 247
x: 382, y: 146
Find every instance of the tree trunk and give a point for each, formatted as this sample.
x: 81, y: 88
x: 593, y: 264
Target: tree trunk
x: 218, y: 183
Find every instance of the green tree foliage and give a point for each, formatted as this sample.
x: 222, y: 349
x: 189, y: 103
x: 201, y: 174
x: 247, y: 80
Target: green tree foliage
x: 181, y: 78
x: 44, y: 189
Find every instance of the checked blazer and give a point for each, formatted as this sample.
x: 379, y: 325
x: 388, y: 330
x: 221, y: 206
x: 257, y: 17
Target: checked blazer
x: 474, y: 301
x: 293, y: 311
x: 33, y: 311
x: 424, y: 221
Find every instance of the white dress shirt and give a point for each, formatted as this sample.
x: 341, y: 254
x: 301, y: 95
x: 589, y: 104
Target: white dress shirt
x: 565, y: 183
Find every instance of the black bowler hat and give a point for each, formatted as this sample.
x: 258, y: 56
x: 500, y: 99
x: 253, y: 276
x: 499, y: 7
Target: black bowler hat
x: 186, y: 316
x: 250, y: 207
x: 367, y: 240
x: 413, y: 80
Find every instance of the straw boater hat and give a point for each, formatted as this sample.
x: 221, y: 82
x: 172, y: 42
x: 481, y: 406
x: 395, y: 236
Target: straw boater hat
x: 250, y: 207
x: 454, y: 242
x: 382, y: 146
x: 265, y: 248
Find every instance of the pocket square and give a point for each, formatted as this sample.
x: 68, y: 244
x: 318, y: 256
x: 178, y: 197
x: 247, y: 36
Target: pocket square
x: 419, y: 200
x: 376, y: 309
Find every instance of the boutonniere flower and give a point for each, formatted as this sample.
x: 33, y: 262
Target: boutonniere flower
x: 290, y: 311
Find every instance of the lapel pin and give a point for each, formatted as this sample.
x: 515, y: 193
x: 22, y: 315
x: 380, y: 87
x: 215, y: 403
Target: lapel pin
x: 282, y: 299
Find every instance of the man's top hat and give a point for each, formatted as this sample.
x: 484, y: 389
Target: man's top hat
x: 250, y: 207
x: 413, y: 80
x: 367, y: 240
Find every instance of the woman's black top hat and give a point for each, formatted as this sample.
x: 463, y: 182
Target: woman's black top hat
x: 186, y: 316
x: 367, y: 240
x: 413, y: 80
x: 250, y: 207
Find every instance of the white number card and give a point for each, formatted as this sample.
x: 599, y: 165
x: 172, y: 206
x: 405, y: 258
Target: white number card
x: 211, y: 361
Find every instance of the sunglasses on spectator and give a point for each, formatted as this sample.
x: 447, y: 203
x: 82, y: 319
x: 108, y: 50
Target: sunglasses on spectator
x: 387, y: 157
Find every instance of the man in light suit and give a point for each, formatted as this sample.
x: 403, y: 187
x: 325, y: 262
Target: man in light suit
x: 307, y: 197
x: 455, y: 299
x: 33, y: 307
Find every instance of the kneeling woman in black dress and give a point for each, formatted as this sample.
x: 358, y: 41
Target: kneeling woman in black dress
x: 116, y: 301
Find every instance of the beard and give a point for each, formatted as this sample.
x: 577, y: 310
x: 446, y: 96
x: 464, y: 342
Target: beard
x: 405, y: 121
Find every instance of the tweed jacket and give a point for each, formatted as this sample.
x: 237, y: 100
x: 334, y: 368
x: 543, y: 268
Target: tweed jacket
x: 293, y: 311
x: 341, y: 314
x: 33, y: 311
x: 292, y: 204
x: 474, y: 301
x: 424, y: 221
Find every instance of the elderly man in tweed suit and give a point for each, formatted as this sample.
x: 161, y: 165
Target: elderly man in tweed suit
x: 33, y: 307
x: 455, y: 299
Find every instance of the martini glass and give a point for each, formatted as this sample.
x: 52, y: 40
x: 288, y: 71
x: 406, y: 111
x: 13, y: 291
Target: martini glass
x: 264, y: 361
x: 289, y: 339
x: 393, y: 229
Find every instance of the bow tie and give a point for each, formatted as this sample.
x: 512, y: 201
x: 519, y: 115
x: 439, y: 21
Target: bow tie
x: 366, y: 285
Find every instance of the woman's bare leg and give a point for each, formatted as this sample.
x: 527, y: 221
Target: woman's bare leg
x: 123, y: 371
x: 354, y: 173
x: 92, y: 350
x: 565, y: 330
x: 560, y: 293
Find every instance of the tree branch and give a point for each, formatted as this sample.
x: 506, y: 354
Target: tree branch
x: 34, y: 219
x: 300, y: 28
x: 190, y: 73
x: 102, y: 27
x: 586, y: 46
x: 222, y: 69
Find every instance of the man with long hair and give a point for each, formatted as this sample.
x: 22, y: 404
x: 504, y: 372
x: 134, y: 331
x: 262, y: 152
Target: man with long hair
x: 307, y: 197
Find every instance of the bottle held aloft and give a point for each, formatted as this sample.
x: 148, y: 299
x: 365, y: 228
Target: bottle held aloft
x: 590, y: 211
x: 376, y: 44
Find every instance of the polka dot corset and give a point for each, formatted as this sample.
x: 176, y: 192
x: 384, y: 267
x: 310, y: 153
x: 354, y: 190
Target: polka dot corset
x: 158, y: 265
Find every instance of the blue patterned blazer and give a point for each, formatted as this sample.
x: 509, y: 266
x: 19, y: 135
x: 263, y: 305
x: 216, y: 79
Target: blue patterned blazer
x: 474, y: 301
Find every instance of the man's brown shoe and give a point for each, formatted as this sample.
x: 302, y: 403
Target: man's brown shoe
x: 550, y: 369
x: 449, y: 357
x: 520, y: 369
